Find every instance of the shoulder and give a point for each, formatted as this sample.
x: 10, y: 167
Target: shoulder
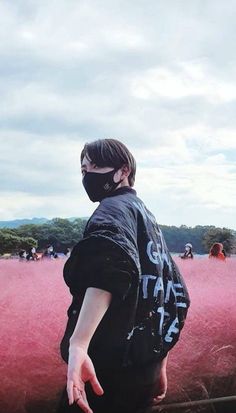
x: 221, y: 256
x: 115, y: 213
x: 121, y: 203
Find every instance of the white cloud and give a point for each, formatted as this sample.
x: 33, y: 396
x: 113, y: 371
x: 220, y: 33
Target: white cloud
x: 206, y: 182
x: 76, y: 32
x: 23, y: 205
x: 187, y: 79
x: 160, y: 76
x: 34, y: 165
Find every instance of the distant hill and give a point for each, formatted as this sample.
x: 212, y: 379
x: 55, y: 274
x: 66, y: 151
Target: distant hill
x: 15, y: 223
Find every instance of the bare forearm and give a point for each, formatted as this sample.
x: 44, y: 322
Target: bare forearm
x: 95, y: 305
x: 164, y: 362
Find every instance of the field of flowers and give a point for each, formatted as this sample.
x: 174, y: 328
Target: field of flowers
x: 33, y: 304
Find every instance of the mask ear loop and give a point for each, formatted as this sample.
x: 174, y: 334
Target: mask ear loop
x: 119, y: 182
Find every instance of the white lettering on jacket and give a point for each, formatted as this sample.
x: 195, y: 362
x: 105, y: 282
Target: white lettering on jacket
x: 152, y: 285
x: 157, y: 253
x: 144, y: 212
x: 173, y: 329
x: 158, y: 285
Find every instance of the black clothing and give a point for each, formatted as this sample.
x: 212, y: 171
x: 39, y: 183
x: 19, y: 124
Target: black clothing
x: 128, y: 390
x: 123, y: 251
x: 106, y: 268
x: 187, y: 254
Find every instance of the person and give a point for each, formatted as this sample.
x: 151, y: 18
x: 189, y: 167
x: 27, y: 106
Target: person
x: 188, y: 251
x: 22, y: 255
x: 217, y: 251
x: 129, y: 300
x: 67, y: 252
x: 49, y: 252
x: 32, y: 255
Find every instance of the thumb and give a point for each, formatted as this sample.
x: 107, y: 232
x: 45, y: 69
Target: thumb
x: 96, y: 386
x: 159, y: 398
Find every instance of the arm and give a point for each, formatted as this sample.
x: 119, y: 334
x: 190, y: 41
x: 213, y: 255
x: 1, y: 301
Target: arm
x: 80, y: 366
x: 162, y: 382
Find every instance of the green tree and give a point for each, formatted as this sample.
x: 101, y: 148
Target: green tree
x: 28, y: 242
x: 177, y: 237
x: 61, y: 233
x: 222, y: 235
x: 78, y: 229
x: 12, y: 243
x: 64, y: 233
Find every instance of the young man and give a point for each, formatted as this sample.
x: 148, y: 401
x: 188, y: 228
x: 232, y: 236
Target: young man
x: 129, y: 299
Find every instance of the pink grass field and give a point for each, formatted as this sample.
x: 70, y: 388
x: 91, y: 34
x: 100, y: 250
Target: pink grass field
x: 33, y: 304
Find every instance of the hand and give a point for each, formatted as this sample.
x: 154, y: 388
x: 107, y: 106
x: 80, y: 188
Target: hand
x: 80, y: 371
x: 162, y: 388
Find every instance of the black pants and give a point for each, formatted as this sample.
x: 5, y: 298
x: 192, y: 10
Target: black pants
x: 129, y: 390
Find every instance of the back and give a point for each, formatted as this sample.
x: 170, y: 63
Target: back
x: 163, y: 297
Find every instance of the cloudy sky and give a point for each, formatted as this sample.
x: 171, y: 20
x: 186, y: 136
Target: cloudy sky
x: 160, y: 75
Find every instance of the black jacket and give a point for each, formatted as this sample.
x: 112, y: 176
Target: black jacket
x: 123, y: 251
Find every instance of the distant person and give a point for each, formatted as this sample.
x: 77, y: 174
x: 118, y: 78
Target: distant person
x: 67, y: 252
x: 223, y: 252
x: 46, y: 253
x: 22, y: 255
x: 49, y: 252
x: 188, y: 251
x: 32, y: 255
x: 217, y: 251
x: 52, y: 253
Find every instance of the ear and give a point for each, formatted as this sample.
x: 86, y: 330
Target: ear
x: 122, y: 173
x: 125, y: 171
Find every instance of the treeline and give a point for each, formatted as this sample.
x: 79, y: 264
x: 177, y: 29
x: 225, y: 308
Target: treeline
x: 201, y: 237
x: 64, y: 233
x: 59, y: 232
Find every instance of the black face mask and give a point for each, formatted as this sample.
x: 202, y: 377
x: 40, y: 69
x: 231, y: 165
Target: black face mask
x: 98, y: 186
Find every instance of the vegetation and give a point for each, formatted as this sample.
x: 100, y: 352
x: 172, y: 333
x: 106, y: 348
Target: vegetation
x: 223, y: 235
x: 177, y: 237
x: 59, y: 232
x: 10, y: 242
x: 64, y: 233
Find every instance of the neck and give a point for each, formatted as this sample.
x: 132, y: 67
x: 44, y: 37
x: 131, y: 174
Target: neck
x: 125, y: 182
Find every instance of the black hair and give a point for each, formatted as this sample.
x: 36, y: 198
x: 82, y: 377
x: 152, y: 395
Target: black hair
x: 110, y: 153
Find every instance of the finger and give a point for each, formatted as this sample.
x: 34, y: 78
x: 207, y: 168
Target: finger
x: 159, y: 398
x: 71, y: 386
x: 96, y: 386
x: 70, y: 392
x: 85, y: 399
x: 77, y: 393
x: 83, y: 403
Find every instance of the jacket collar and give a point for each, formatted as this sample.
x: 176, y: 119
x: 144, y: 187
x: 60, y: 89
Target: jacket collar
x: 121, y: 191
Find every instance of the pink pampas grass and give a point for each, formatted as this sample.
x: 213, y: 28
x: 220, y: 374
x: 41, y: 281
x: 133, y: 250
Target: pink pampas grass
x: 33, y: 304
